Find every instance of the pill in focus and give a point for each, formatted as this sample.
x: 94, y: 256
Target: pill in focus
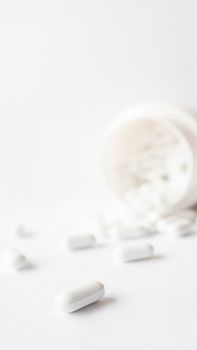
x: 77, y: 298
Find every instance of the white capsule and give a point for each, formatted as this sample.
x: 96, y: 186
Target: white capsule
x: 181, y: 219
x: 80, y: 241
x: 133, y: 252
x: 173, y: 220
x: 76, y: 298
x: 21, y: 232
x: 121, y: 232
x: 14, y: 260
x: 181, y: 229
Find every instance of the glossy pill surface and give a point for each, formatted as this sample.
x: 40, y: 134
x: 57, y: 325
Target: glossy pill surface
x: 80, y: 241
x: 133, y: 252
x: 76, y: 298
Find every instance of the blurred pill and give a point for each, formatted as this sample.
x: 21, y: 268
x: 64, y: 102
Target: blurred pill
x: 181, y: 229
x: 14, y: 260
x: 133, y: 252
x: 121, y: 232
x: 22, y: 232
x: 77, y: 242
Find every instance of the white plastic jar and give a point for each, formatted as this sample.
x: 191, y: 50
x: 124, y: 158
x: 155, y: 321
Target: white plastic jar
x: 150, y: 159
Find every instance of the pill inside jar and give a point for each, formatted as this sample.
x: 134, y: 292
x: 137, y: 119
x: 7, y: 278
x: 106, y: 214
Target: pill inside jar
x: 148, y: 164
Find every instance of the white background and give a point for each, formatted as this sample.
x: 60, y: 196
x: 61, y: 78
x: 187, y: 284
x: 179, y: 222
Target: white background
x: 66, y: 68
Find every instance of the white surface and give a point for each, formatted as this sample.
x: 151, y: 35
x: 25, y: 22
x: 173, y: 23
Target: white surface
x: 148, y: 304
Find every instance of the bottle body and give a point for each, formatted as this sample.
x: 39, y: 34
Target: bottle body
x: 150, y: 158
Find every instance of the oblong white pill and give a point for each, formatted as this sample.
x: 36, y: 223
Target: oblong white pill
x: 133, y: 252
x: 76, y: 298
x: 163, y: 225
x: 129, y: 232
x: 181, y: 229
x: 185, y: 217
x: 14, y: 260
x: 21, y: 232
x: 80, y: 241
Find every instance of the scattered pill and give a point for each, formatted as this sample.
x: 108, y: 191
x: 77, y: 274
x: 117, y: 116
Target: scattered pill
x: 179, y: 224
x: 133, y: 252
x: 76, y: 298
x: 21, y: 232
x: 121, y: 232
x: 14, y: 260
x: 80, y: 241
x: 163, y: 224
x: 181, y: 229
